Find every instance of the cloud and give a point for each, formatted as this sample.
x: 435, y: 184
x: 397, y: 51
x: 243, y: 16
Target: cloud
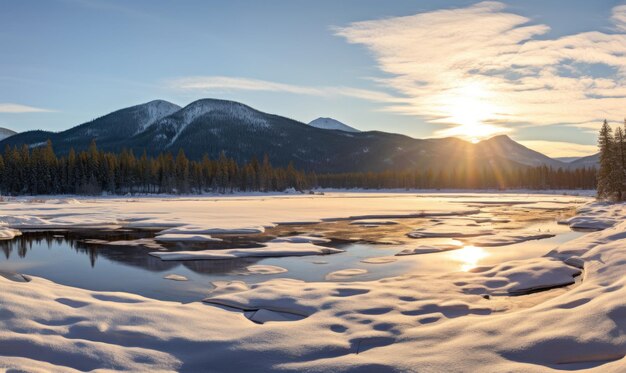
x: 17, y: 108
x: 483, y: 68
x: 225, y: 83
x: 619, y: 17
x: 560, y: 149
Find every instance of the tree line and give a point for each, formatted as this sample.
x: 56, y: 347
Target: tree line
x: 38, y: 170
x: 612, y: 167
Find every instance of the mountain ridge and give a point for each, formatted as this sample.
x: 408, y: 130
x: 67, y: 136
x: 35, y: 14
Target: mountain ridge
x: 211, y: 126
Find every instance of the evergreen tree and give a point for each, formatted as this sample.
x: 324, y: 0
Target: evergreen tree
x: 606, y: 181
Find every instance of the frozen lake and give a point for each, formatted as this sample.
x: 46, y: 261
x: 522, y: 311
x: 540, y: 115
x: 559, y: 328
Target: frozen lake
x: 81, y: 258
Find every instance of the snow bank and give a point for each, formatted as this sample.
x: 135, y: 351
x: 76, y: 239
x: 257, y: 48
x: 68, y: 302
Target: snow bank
x: 259, y: 269
x: 179, y: 237
x: 200, y: 230
x: 301, y: 239
x: 175, y: 277
x: 428, y: 249
x: 271, y: 249
x: 504, y: 239
x: 345, y: 273
x: 8, y: 233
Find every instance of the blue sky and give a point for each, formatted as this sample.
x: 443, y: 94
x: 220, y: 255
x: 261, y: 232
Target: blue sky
x: 393, y: 66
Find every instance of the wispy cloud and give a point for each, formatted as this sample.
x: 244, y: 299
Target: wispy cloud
x: 482, y: 64
x: 619, y: 17
x: 560, y: 149
x: 210, y: 84
x: 17, y: 108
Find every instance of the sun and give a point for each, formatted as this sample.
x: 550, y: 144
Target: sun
x: 470, y: 106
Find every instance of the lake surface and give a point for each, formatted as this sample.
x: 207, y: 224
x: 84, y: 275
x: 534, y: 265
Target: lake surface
x: 70, y: 257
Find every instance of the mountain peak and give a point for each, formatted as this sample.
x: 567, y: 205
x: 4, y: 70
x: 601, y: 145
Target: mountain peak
x: 331, y: 124
x: 228, y: 108
x: 150, y: 112
x: 5, y: 133
x: 500, y: 139
x: 505, y: 147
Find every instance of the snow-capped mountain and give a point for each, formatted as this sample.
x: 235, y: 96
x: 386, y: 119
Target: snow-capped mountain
x: 5, y: 133
x: 211, y: 126
x: 331, y: 124
x: 152, y: 111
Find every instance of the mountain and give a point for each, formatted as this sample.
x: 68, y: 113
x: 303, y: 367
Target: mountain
x: 504, y: 146
x: 211, y: 126
x: 5, y: 133
x: 111, y: 131
x: 331, y: 124
x: 586, y: 162
x: 567, y: 159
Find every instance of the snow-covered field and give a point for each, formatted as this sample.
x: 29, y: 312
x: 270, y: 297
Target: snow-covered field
x: 450, y: 322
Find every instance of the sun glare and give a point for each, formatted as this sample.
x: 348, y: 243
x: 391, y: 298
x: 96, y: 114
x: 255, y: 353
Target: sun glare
x: 470, y: 106
x: 468, y: 257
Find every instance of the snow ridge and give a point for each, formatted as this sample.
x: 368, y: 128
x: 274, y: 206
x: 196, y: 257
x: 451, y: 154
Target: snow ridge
x: 230, y: 109
x: 331, y: 124
x: 153, y: 111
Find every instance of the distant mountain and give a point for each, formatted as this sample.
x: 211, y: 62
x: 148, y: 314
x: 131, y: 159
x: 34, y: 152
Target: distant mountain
x: 331, y: 124
x: 586, y: 162
x: 211, y: 126
x: 5, y: 133
x: 566, y: 159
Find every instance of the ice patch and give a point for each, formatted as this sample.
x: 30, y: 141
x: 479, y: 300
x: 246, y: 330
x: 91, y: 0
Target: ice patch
x: 8, y: 233
x: 195, y: 229
x: 504, y: 239
x: 269, y: 250
x: 345, y: 273
x: 175, y: 277
x: 179, y: 237
x: 259, y: 269
x: 301, y: 239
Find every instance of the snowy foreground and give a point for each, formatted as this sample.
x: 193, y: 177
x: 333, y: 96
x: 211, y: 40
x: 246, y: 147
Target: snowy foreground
x: 457, y: 322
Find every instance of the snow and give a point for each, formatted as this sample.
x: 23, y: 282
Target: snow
x: 427, y: 249
x: 270, y: 249
x: 8, y: 233
x: 6, y: 133
x: 175, y: 277
x: 205, y: 231
x: 445, y: 231
x: 259, y: 269
x: 301, y: 239
x: 345, y: 273
x: 236, y: 215
x: 454, y: 322
x: 231, y: 109
x: 376, y: 222
x: 172, y: 237
x: 379, y: 260
x: 504, y: 239
x: 149, y: 113
x: 331, y: 124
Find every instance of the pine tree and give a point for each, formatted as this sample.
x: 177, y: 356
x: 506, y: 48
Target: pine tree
x: 619, y: 163
x: 605, y: 143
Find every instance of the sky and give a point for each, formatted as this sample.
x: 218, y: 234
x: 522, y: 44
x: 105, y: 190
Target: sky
x: 546, y: 73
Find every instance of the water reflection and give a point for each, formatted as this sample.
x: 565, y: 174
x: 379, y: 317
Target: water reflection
x: 468, y: 257
x: 27, y: 248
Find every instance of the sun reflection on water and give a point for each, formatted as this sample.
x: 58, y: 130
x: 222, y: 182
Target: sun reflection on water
x: 468, y: 257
